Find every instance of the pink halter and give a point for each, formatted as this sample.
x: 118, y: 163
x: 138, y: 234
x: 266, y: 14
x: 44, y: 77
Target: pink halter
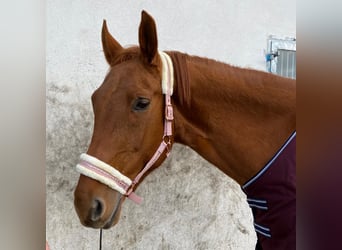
x: 104, y: 173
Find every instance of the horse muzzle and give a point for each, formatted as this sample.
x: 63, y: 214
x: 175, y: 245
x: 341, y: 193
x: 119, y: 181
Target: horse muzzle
x: 97, y: 205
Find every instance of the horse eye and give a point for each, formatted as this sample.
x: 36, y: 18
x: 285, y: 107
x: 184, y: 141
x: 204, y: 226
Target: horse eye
x: 141, y: 104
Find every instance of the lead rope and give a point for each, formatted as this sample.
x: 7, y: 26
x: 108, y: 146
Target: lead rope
x: 100, y: 239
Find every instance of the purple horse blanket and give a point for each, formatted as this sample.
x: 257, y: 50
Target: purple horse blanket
x: 271, y: 194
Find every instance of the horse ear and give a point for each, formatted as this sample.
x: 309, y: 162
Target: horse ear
x: 110, y: 46
x: 148, y: 37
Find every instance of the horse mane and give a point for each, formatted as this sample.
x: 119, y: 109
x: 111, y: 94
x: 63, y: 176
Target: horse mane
x: 182, y: 77
x: 246, y: 85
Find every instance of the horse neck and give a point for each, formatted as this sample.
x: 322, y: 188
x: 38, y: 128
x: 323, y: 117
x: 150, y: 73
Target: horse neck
x: 235, y: 118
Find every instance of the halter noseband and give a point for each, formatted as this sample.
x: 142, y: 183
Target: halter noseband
x: 108, y: 175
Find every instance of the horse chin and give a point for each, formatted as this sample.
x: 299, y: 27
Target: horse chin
x: 109, y: 224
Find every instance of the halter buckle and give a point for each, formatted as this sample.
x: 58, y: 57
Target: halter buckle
x: 169, y: 112
x: 168, y: 142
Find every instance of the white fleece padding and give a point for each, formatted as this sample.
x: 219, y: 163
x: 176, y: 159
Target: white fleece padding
x: 107, y: 168
x: 167, y: 70
x: 107, y: 181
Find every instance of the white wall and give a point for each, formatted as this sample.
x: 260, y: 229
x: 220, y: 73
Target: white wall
x: 188, y: 203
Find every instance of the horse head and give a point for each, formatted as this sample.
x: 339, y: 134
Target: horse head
x: 128, y: 123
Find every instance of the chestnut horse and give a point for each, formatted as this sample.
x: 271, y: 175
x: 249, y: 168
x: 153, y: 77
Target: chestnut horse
x: 240, y: 120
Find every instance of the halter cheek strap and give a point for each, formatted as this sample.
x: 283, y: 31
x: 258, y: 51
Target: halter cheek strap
x: 108, y: 175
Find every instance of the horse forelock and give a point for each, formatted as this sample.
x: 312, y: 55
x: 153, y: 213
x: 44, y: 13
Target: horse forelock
x: 127, y: 54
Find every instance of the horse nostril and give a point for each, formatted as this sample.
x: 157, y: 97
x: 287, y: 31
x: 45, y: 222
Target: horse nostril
x: 97, y: 209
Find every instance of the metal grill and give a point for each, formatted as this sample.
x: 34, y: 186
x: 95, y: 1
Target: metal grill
x: 281, y: 56
x: 286, y: 63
